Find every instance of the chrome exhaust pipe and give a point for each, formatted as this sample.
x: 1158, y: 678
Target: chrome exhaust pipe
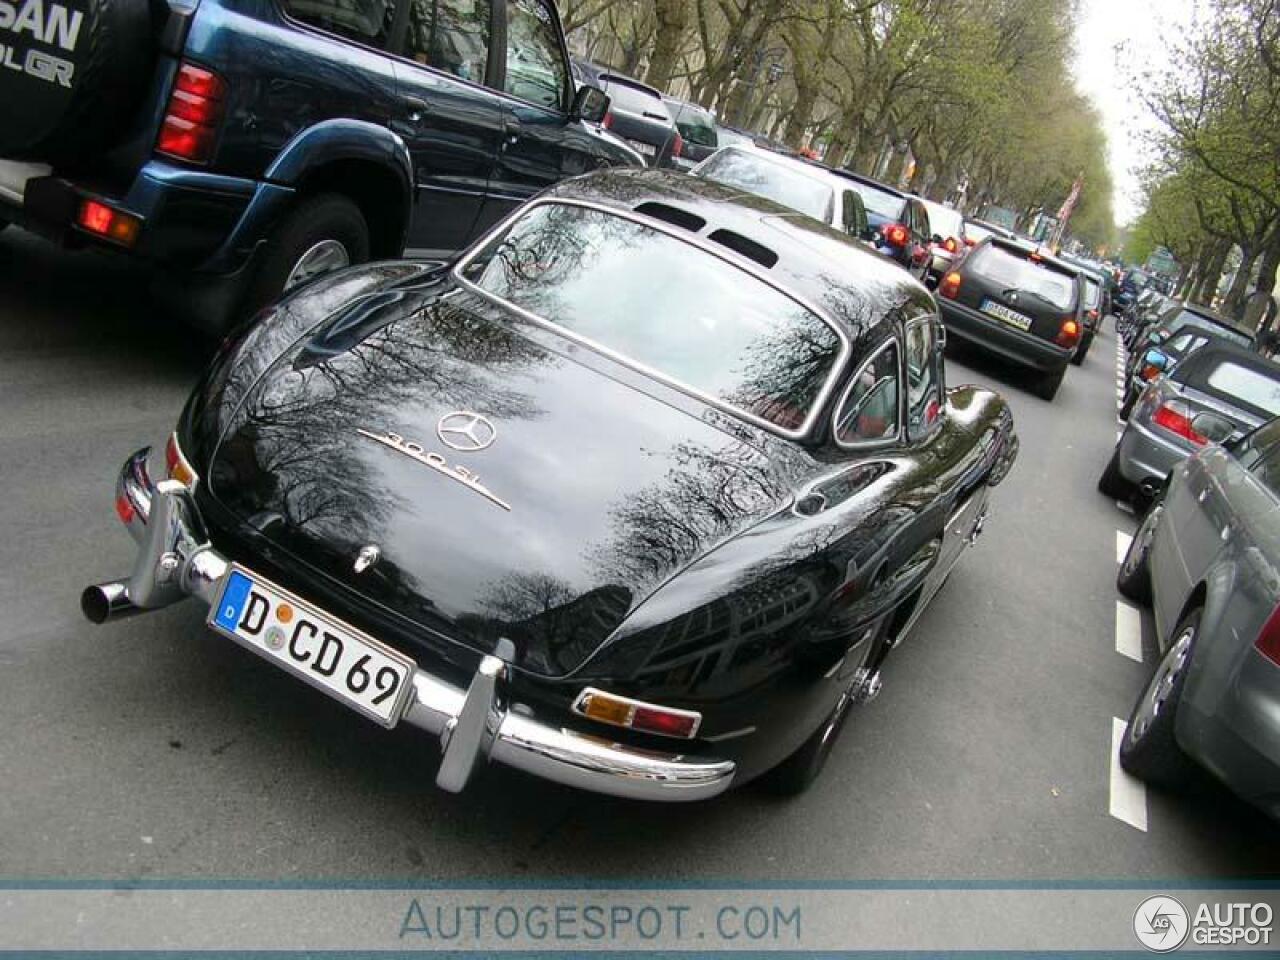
x: 107, y: 601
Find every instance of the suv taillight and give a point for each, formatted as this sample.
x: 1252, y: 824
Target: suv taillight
x: 896, y: 235
x: 194, y: 111
x: 1068, y: 333
x: 607, y: 122
x: 1175, y: 416
x: 950, y: 285
x: 1268, y: 642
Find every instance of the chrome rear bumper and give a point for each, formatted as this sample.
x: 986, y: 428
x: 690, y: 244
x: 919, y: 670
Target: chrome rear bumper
x: 176, y: 561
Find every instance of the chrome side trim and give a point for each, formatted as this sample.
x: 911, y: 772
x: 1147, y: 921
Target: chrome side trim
x: 707, y: 246
x: 176, y: 561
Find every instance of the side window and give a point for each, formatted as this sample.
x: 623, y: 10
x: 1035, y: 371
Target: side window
x: 1180, y: 342
x: 1267, y: 469
x: 923, y: 382
x: 922, y: 223
x: 535, y: 66
x: 855, y: 215
x: 869, y: 409
x: 364, y: 21
x: 450, y: 35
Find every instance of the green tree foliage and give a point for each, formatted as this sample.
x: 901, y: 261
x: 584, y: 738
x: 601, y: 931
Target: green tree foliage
x: 978, y: 92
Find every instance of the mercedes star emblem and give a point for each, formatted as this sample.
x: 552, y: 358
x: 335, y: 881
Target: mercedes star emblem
x: 465, y: 431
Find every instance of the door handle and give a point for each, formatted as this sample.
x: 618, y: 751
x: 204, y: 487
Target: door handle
x: 416, y: 107
x: 510, y: 133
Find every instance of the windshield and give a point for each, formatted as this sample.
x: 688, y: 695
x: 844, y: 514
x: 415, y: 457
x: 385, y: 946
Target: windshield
x: 767, y: 178
x: 633, y: 99
x: 1018, y: 272
x: 694, y: 123
x: 1187, y: 318
x: 665, y: 305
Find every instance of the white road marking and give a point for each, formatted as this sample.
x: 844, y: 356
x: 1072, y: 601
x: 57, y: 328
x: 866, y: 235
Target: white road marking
x: 1122, y: 545
x: 1128, y: 794
x: 1128, y: 631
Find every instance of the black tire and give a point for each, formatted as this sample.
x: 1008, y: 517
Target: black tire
x: 1130, y: 401
x: 797, y: 773
x: 107, y: 68
x: 1149, y: 749
x: 329, y: 217
x: 1112, y: 483
x: 1078, y: 357
x: 1133, y: 579
x: 1046, y: 387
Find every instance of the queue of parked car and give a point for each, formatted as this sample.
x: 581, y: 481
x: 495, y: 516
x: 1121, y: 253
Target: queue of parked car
x: 738, y: 333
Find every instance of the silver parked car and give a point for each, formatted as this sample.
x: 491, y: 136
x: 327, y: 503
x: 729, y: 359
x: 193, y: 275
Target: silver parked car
x: 1207, y: 557
x: 1216, y: 394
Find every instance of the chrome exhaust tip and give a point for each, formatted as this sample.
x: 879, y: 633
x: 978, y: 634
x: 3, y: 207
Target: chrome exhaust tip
x: 107, y: 601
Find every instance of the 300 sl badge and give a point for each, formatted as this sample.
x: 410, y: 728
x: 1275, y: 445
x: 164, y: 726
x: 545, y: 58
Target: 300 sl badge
x: 429, y: 458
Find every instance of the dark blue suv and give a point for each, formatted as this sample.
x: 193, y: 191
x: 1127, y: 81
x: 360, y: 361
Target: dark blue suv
x: 244, y: 146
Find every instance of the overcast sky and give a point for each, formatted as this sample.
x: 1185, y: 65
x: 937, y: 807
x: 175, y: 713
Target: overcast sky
x: 1140, y: 26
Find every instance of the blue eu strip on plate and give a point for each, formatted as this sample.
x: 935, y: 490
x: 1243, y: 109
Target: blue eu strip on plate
x: 234, y: 595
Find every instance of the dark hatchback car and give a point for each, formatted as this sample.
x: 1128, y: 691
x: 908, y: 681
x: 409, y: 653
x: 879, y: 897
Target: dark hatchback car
x: 243, y: 147
x: 1166, y: 338
x: 899, y: 223
x: 635, y: 496
x: 1218, y: 393
x: 639, y: 115
x: 1016, y: 301
x: 697, y: 127
x: 1207, y: 559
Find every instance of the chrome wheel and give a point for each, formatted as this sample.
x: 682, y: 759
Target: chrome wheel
x: 324, y: 257
x: 1162, y: 683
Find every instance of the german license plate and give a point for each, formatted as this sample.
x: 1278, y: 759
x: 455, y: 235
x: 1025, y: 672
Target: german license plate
x: 648, y: 149
x: 333, y: 656
x: 1011, y: 317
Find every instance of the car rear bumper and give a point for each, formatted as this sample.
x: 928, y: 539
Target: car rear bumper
x: 1145, y: 457
x: 1024, y: 348
x: 190, y: 219
x: 176, y: 561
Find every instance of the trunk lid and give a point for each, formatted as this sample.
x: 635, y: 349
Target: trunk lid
x: 569, y: 493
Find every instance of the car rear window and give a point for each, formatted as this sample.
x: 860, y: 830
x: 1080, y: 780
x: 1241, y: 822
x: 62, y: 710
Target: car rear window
x: 880, y: 203
x: 1018, y: 271
x: 1252, y: 387
x: 633, y: 99
x: 664, y: 305
x: 1092, y: 293
x: 1188, y: 318
x: 778, y: 182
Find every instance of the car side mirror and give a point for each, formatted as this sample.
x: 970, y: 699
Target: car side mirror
x: 590, y: 104
x: 1156, y: 358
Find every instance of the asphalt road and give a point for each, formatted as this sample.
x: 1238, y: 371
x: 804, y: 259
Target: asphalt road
x: 152, y: 749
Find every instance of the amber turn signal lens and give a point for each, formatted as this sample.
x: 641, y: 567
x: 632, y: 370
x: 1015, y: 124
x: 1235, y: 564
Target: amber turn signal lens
x: 97, y: 218
x: 606, y: 709
x: 178, y: 467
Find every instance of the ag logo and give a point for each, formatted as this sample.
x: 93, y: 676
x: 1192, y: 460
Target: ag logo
x: 1161, y: 924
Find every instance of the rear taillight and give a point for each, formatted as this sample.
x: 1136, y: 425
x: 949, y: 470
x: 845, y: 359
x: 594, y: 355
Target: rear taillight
x: 1268, y: 642
x: 637, y: 715
x: 191, y: 119
x: 1068, y: 333
x: 896, y: 235
x: 970, y: 242
x: 1148, y: 372
x: 677, y: 146
x: 1093, y: 314
x: 97, y: 218
x: 1175, y: 416
x: 950, y: 285
x: 607, y: 122
x: 950, y: 245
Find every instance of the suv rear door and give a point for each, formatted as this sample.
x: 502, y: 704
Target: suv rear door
x: 449, y: 119
x: 1015, y: 286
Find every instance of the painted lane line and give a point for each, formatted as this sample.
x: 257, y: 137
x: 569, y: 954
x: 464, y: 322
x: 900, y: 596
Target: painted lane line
x: 1128, y: 631
x: 1122, y: 545
x: 1128, y: 801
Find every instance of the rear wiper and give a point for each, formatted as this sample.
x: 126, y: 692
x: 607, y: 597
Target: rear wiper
x: 1039, y: 296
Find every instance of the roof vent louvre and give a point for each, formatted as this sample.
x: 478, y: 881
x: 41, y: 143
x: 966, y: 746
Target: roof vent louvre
x: 672, y: 215
x: 745, y: 246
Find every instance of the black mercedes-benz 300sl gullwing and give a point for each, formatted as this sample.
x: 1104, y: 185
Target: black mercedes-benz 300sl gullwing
x: 635, y: 495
